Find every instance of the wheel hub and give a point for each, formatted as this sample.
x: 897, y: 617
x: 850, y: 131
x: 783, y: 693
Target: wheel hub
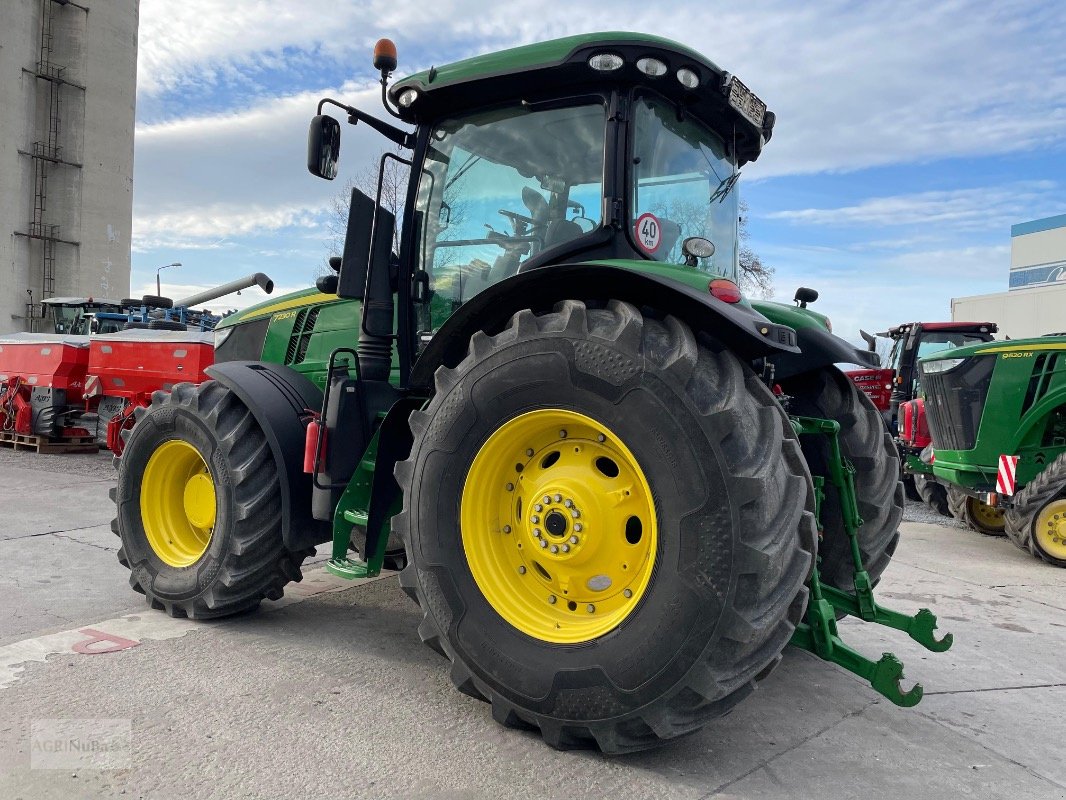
x: 178, y: 503
x: 559, y: 526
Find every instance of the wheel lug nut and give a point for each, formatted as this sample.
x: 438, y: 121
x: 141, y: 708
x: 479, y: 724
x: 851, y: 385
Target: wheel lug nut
x: 529, y: 451
x: 566, y: 548
x: 577, y: 527
x: 573, y: 540
x: 546, y: 499
x: 627, y: 592
x: 601, y: 438
x: 506, y: 528
x: 562, y: 434
x: 553, y: 549
x: 521, y: 570
x: 590, y: 608
x: 510, y: 487
x: 538, y: 507
x: 551, y: 599
x: 534, y: 519
x: 543, y: 543
x: 575, y: 513
x: 568, y: 503
x: 537, y: 533
x: 558, y: 498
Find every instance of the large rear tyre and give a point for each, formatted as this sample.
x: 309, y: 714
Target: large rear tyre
x: 933, y: 494
x: 1037, y: 522
x: 199, y: 506
x: 865, y: 442
x: 978, y: 516
x: 609, y: 525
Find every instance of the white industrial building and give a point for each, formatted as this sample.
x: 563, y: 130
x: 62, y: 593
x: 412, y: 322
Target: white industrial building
x: 68, y: 76
x: 1035, y: 302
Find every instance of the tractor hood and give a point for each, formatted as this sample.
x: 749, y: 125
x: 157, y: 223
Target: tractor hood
x: 304, y: 297
x: 712, y: 94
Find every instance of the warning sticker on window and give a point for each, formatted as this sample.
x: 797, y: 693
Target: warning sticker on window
x: 649, y: 232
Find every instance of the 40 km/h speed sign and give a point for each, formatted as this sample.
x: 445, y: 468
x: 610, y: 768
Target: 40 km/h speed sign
x: 649, y: 232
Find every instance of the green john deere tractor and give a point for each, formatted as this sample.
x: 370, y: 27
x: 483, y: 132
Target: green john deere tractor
x: 622, y: 488
x: 997, y: 414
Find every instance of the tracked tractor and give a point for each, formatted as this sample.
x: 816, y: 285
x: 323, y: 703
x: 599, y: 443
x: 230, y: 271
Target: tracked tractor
x: 622, y: 488
x: 997, y: 413
x: 896, y: 391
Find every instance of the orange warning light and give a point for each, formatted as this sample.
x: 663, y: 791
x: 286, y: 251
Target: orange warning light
x: 385, y: 55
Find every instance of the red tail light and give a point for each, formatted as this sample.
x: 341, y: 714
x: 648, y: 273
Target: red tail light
x: 726, y: 291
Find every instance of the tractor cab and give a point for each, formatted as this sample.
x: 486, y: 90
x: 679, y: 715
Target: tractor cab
x: 73, y: 316
x: 617, y: 148
x: 915, y: 340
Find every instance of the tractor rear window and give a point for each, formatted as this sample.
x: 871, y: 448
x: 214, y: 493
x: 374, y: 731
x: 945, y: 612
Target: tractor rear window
x: 684, y: 185
x: 498, y: 187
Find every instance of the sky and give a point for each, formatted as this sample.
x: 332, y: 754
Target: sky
x: 910, y: 135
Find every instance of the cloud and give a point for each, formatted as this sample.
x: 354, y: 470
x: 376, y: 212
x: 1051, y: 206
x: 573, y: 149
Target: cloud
x: 854, y: 85
x: 963, y: 210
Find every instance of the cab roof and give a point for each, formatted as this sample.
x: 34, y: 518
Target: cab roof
x: 562, y: 66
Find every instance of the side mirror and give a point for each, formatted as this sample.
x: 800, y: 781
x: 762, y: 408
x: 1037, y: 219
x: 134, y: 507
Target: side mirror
x: 323, y: 147
x: 805, y: 296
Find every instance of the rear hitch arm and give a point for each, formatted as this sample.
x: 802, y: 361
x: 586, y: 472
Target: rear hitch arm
x: 819, y: 633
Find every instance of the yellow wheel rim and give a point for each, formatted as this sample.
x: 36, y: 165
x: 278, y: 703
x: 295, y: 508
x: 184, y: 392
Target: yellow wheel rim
x: 1049, y: 530
x: 178, y: 503
x: 986, y: 516
x: 559, y: 526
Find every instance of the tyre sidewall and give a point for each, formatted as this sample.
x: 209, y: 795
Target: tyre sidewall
x: 162, y: 424
x: 667, y: 632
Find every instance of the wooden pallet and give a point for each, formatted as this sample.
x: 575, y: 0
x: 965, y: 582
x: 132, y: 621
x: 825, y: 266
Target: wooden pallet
x: 39, y: 444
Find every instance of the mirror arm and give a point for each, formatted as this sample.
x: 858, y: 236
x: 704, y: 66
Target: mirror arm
x: 390, y: 132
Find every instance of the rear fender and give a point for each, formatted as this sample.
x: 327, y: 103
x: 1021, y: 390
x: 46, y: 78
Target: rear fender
x: 819, y: 348
x: 279, y: 398
x: 740, y: 328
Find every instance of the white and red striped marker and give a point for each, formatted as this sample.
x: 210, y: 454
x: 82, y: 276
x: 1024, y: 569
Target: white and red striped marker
x: 1008, y: 468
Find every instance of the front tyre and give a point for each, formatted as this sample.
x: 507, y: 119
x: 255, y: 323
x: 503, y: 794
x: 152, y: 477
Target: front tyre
x: 1037, y: 521
x: 199, y: 506
x: 609, y: 524
x: 977, y: 516
x: 933, y: 494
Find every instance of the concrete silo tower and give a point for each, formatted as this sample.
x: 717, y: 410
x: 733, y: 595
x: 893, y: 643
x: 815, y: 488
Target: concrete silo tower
x: 68, y: 75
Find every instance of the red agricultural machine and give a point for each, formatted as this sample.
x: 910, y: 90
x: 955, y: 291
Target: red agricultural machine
x: 64, y: 393
x: 896, y: 392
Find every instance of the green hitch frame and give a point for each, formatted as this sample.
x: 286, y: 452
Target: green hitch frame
x: 819, y: 633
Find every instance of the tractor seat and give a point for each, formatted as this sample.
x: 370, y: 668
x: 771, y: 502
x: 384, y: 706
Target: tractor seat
x: 561, y: 231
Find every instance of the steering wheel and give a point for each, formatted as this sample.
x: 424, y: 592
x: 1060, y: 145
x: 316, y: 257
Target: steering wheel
x: 516, y: 218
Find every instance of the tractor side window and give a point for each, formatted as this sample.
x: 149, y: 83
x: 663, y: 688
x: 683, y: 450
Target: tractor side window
x: 501, y: 186
x: 684, y: 185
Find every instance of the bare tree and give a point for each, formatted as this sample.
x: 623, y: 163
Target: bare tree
x: 393, y: 190
x: 755, y: 276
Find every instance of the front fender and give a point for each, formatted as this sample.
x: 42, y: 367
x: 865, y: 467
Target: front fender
x: 278, y: 398
x: 742, y: 329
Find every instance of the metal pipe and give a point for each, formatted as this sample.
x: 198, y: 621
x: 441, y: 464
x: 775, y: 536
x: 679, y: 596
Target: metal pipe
x: 258, y: 279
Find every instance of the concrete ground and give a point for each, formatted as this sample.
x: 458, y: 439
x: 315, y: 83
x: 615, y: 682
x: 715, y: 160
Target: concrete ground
x: 329, y: 692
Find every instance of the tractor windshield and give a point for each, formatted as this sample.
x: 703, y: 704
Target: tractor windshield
x: 684, y: 185
x: 498, y: 187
